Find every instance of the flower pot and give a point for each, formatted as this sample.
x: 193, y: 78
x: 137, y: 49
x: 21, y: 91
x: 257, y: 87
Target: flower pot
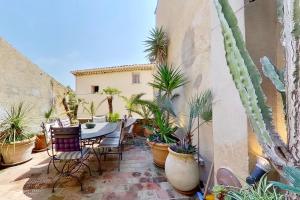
x: 159, y: 153
x: 138, y: 129
x: 147, y: 132
x: 40, y: 143
x: 18, y: 152
x: 182, y: 171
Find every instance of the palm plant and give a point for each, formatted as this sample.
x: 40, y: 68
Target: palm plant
x: 92, y: 108
x: 162, y: 129
x: 49, y: 114
x: 14, y: 124
x: 110, y: 93
x: 200, y: 106
x: 157, y: 46
x: 131, y: 103
x: 71, y: 103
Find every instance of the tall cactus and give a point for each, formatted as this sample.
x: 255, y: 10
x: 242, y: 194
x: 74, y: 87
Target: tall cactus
x: 247, y: 80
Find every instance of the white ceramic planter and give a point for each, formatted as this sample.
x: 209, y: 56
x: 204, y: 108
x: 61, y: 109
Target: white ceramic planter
x: 182, y: 171
x: 18, y: 152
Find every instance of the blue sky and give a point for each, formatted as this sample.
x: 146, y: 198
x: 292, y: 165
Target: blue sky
x: 64, y: 35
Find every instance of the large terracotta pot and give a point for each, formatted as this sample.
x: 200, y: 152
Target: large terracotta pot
x: 147, y: 132
x: 40, y: 143
x: 159, y: 153
x: 182, y: 171
x: 138, y: 129
x: 18, y: 152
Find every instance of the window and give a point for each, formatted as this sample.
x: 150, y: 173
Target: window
x: 95, y: 89
x: 135, y: 78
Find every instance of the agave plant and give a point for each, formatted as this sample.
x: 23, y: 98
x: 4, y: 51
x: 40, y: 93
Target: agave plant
x: 157, y: 46
x: 14, y: 124
x: 264, y: 190
x: 247, y: 81
x: 131, y: 103
x: 110, y: 93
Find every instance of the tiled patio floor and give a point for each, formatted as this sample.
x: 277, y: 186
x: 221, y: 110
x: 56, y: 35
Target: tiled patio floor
x: 137, y: 179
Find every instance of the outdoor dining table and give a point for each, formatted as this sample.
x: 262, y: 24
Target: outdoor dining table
x: 100, y: 130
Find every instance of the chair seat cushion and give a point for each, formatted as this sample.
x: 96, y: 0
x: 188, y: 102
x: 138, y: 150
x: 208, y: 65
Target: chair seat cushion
x: 109, y: 142
x: 72, y: 155
x: 115, y: 134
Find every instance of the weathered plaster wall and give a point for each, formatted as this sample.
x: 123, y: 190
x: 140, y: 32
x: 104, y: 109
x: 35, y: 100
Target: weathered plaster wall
x: 119, y: 80
x: 187, y: 24
x: 229, y: 119
x: 21, y: 80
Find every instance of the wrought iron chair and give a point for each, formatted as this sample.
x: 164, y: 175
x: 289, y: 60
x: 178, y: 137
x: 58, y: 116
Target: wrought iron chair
x: 67, y: 147
x: 111, y: 145
x: 65, y: 122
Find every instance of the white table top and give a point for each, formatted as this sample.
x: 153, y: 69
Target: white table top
x: 99, y: 130
x: 129, y: 122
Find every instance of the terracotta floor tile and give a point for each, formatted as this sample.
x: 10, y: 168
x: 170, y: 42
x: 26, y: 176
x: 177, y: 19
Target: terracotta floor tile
x: 138, y: 179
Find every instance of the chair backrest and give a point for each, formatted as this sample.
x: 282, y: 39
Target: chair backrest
x: 122, y: 132
x: 65, y: 122
x: 46, y: 128
x: 99, y: 119
x: 66, y: 139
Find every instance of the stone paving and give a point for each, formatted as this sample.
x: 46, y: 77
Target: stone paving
x: 138, y: 178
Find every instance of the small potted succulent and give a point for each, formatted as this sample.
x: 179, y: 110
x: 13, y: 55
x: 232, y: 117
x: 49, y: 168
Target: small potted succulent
x: 16, y: 143
x: 181, y: 160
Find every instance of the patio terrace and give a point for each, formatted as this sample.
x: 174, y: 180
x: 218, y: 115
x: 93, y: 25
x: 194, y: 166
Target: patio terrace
x: 138, y: 178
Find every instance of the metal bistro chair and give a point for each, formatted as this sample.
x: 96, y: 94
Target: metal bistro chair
x: 112, y: 145
x: 67, y: 147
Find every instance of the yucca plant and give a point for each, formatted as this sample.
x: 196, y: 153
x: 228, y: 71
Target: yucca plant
x: 200, y: 106
x: 110, y: 93
x: 14, y: 125
x: 157, y: 46
x: 166, y: 80
x: 131, y: 103
x: 247, y: 80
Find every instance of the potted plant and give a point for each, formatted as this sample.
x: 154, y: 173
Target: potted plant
x: 41, y: 142
x: 16, y: 143
x: 71, y: 103
x: 181, y: 166
x: 110, y: 93
x: 114, y: 117
x: 91, y: 109
x: 165, y: 81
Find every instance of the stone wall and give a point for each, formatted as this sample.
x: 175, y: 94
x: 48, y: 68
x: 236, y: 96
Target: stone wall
x: 23, y: 81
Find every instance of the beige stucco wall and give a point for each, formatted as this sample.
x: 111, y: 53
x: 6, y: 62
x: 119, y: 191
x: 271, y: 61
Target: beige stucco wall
x: 187, y: 24
x: 21, y: 80
x: 262, y: 25
x: 119, y: 80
